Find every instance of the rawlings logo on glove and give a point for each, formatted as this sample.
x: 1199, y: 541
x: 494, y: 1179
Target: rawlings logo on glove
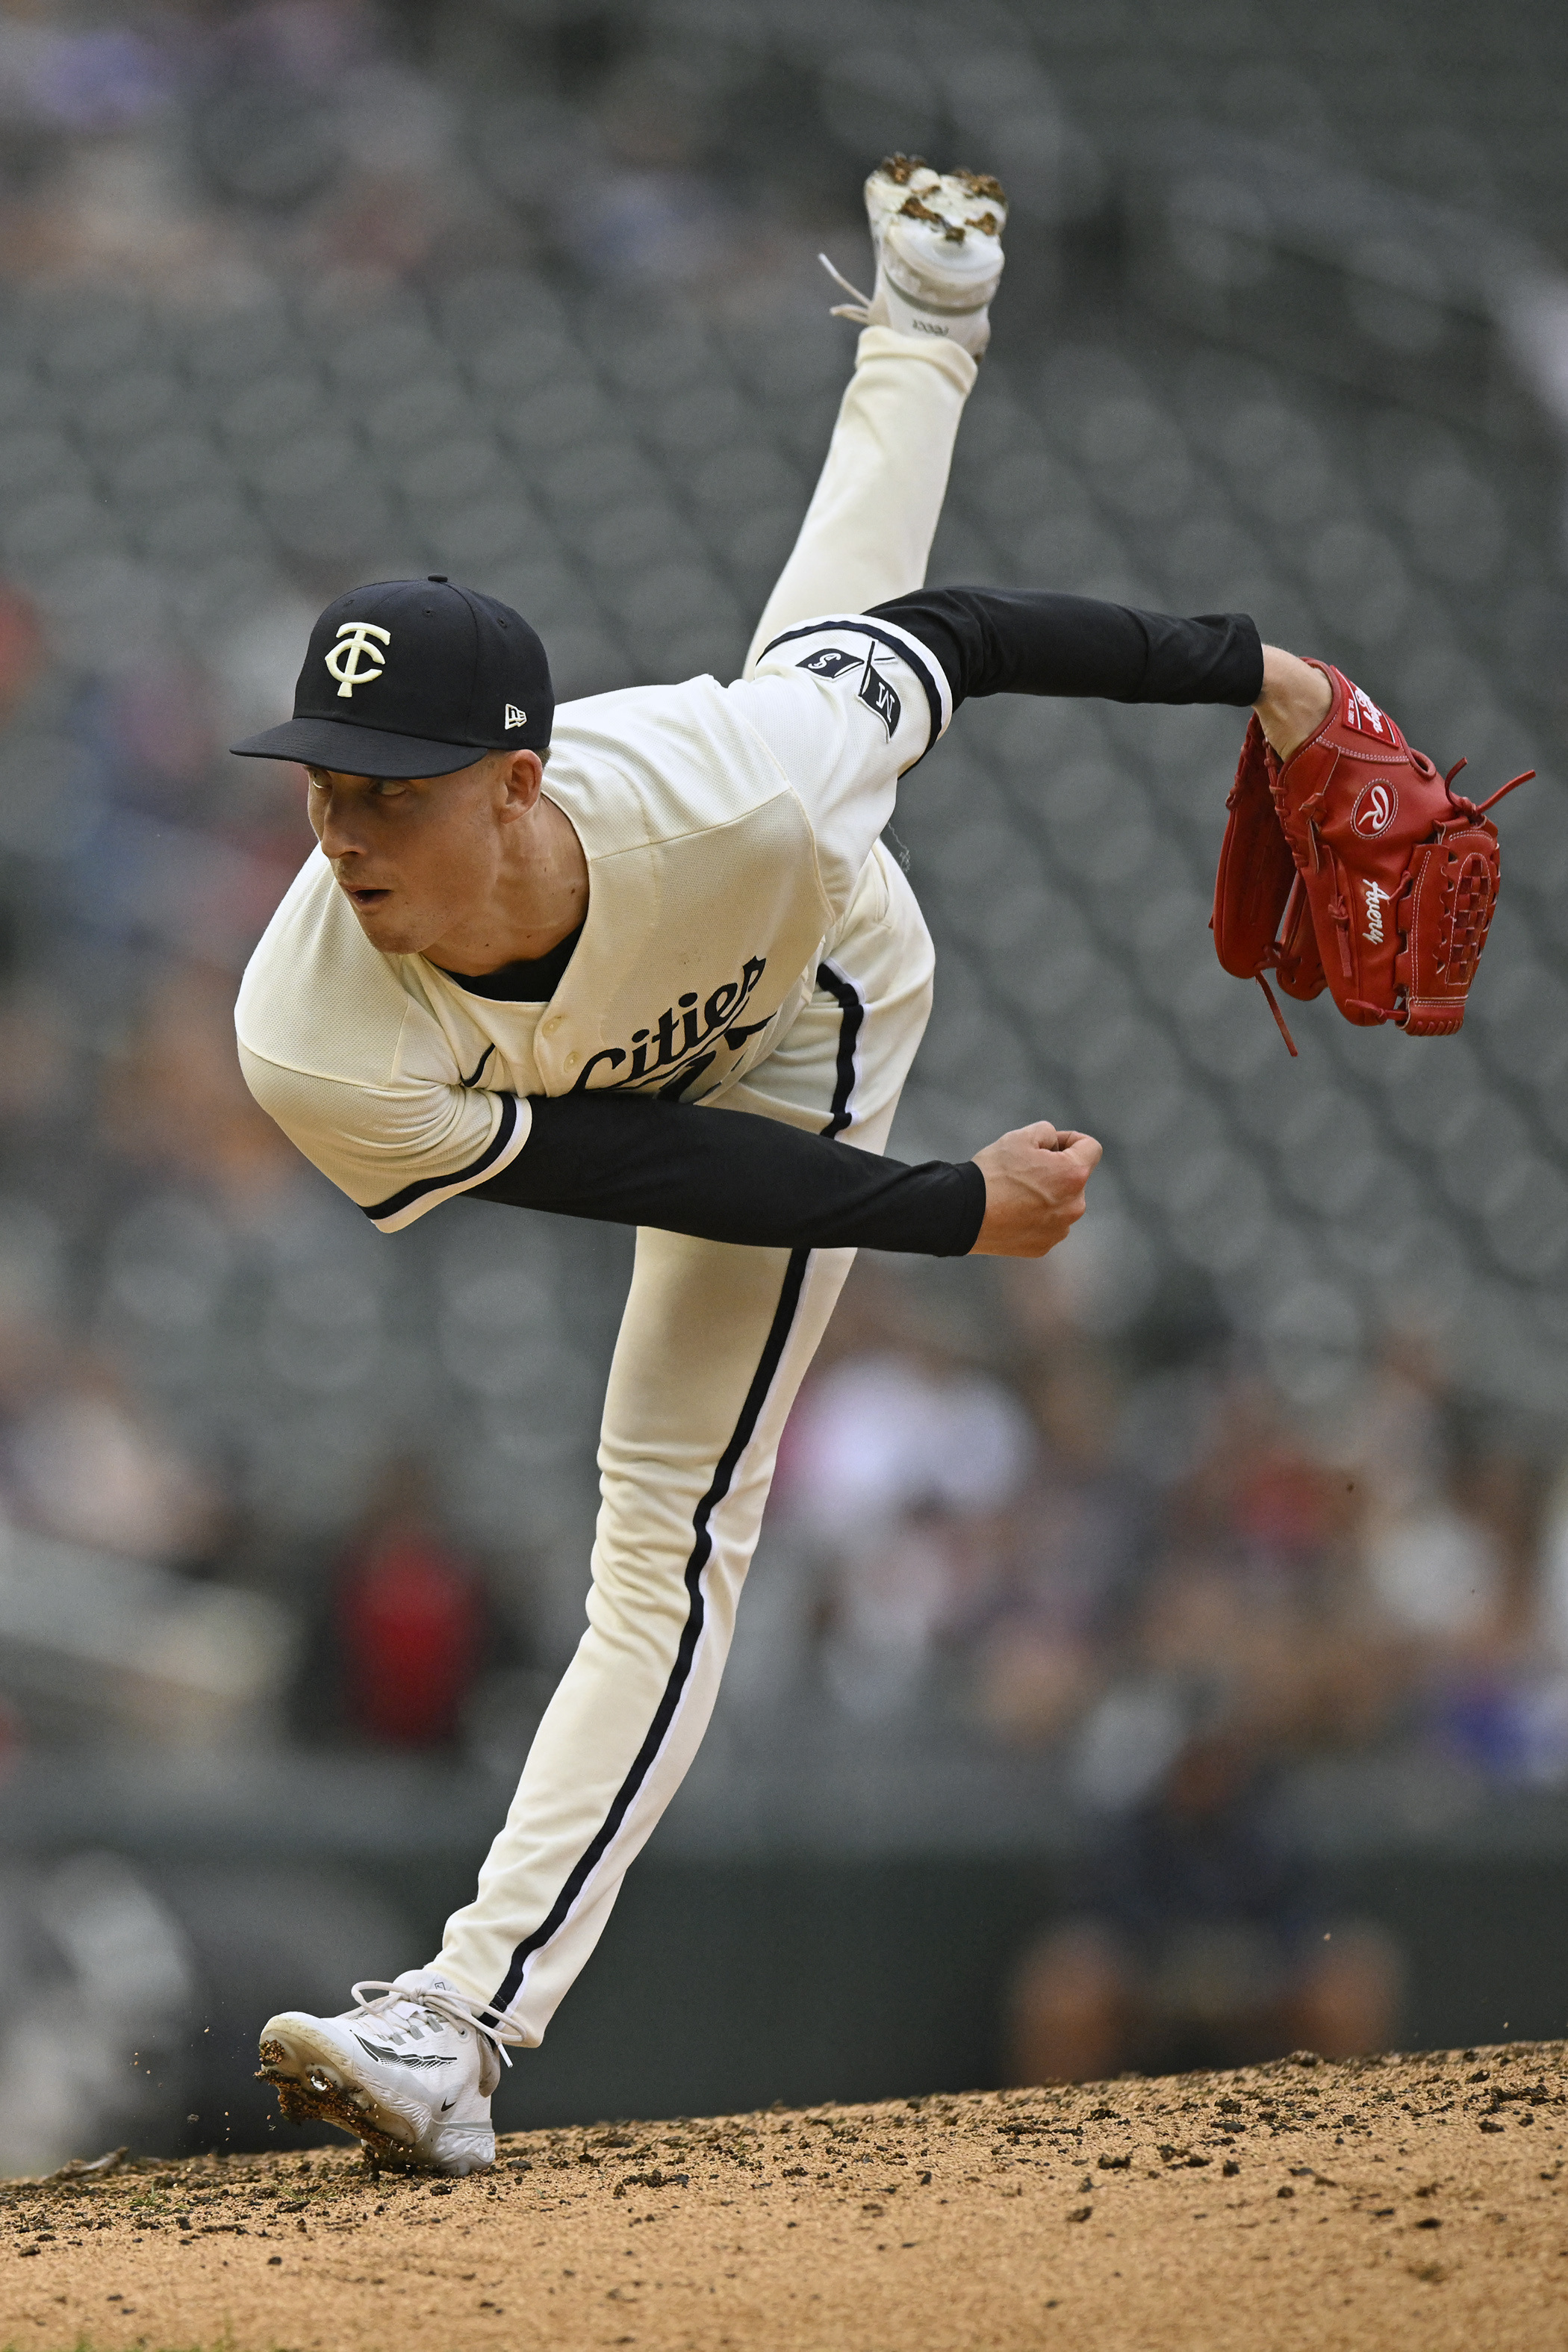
x: 1353, y: 865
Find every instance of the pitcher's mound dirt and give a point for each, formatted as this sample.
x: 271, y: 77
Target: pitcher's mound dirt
x: 1298, y: 2207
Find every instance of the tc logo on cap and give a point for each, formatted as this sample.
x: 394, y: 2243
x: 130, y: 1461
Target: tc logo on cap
x: 343, y: 661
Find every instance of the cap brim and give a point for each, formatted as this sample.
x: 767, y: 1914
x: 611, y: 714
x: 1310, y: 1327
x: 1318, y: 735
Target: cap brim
x: 358, y: 751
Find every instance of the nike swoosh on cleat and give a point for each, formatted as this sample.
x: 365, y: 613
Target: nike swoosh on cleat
x: 399, y: 2058
x: 446, y: 2104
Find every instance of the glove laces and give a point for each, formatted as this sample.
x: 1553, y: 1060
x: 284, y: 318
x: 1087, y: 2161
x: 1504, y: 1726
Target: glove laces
x: 451, y: 2007
x: 859, y: 309
x: 1469, y: 807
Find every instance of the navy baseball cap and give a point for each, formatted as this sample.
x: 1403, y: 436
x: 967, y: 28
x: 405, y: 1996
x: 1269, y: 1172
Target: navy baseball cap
x: 414, y: 678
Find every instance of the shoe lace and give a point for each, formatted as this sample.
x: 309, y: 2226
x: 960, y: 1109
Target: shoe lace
x: 451, y: 2007
x: 860, y: 309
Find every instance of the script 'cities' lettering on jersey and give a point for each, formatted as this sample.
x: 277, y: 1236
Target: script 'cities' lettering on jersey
x: 671, y: 1048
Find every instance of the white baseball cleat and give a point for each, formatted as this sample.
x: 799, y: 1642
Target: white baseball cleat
x: 937, y: 242
x: 410, y: 2071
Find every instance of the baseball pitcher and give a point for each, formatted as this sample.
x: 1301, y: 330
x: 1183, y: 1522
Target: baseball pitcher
x: 646, y: 959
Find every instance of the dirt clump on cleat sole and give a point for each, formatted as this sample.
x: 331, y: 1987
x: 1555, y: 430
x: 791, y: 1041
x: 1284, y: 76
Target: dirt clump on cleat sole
x: 326, y: 2102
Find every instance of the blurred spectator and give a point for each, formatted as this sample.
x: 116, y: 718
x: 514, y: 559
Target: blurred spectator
x: 133, y: 1993
x: 1196, y: 1938
x: 893, y: 1593
x: 176, y: 1102
x: 411, y: 1625
x: 1437, y: 1573
x: 1496, y: 1697
x: 23, y: 650
x: 158, y: 738
x: 38, y: 1051
x: 895, y: 1467
x: 1254, y: 1589
x: 1554, y: 1571
x: 83, y: 1462
x: 1115, y: 1521
x: 101, y: 1988
x: 1436, y: 1560
x: 1456, y: 1586
x: 409, y: 1617
x: 1070, y: 1553
x: 877, y: 1437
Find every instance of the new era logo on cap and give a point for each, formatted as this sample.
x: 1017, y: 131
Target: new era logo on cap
x: 405, y: 679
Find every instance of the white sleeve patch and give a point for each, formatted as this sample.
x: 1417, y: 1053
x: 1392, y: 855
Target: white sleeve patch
x: 846, y: 706
x: 898, y: 680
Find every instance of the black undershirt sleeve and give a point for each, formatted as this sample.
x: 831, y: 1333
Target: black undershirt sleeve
x: 1028, y: 640
x: 731, y: 1176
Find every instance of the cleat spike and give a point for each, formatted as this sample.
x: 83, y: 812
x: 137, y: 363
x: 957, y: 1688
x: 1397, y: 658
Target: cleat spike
x: 938, y: 242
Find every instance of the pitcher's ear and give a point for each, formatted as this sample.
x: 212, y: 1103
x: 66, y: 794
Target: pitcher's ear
x: 522, y: 773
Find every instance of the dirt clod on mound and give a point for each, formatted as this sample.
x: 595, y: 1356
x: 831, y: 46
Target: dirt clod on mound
x: 1300, y: 2206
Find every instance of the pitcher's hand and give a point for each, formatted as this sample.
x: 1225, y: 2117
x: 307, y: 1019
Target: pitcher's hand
x: 1035, y: 1179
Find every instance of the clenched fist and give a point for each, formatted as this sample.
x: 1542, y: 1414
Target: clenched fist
x: 1034, y: 1180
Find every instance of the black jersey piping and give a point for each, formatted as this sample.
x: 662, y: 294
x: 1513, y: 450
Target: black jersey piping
x: 686, y: 1651
x: 851, y: 1014
x: 896, y: 642
x: 459, y: 1176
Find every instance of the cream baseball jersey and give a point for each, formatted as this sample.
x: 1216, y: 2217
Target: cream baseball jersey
x: 725, y: 830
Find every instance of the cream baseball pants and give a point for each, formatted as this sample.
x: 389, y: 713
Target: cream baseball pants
x: 715, y: 1339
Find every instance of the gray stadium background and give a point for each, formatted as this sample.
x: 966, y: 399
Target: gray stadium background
x: 294, y: 295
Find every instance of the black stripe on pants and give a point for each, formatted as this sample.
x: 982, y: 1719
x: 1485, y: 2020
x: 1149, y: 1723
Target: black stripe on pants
x: 852, y: 1012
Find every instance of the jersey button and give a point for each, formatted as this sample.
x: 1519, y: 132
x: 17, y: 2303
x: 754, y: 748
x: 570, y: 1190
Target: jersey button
x: 570, y: 1062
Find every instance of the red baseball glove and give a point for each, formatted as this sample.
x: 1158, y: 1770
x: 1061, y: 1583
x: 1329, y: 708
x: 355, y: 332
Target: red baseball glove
x: 1353, y: 865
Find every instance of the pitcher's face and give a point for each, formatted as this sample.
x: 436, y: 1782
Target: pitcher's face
x: 415, y: 858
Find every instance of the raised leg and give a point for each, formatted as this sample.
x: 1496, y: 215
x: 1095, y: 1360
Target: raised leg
x: 869, y: 529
